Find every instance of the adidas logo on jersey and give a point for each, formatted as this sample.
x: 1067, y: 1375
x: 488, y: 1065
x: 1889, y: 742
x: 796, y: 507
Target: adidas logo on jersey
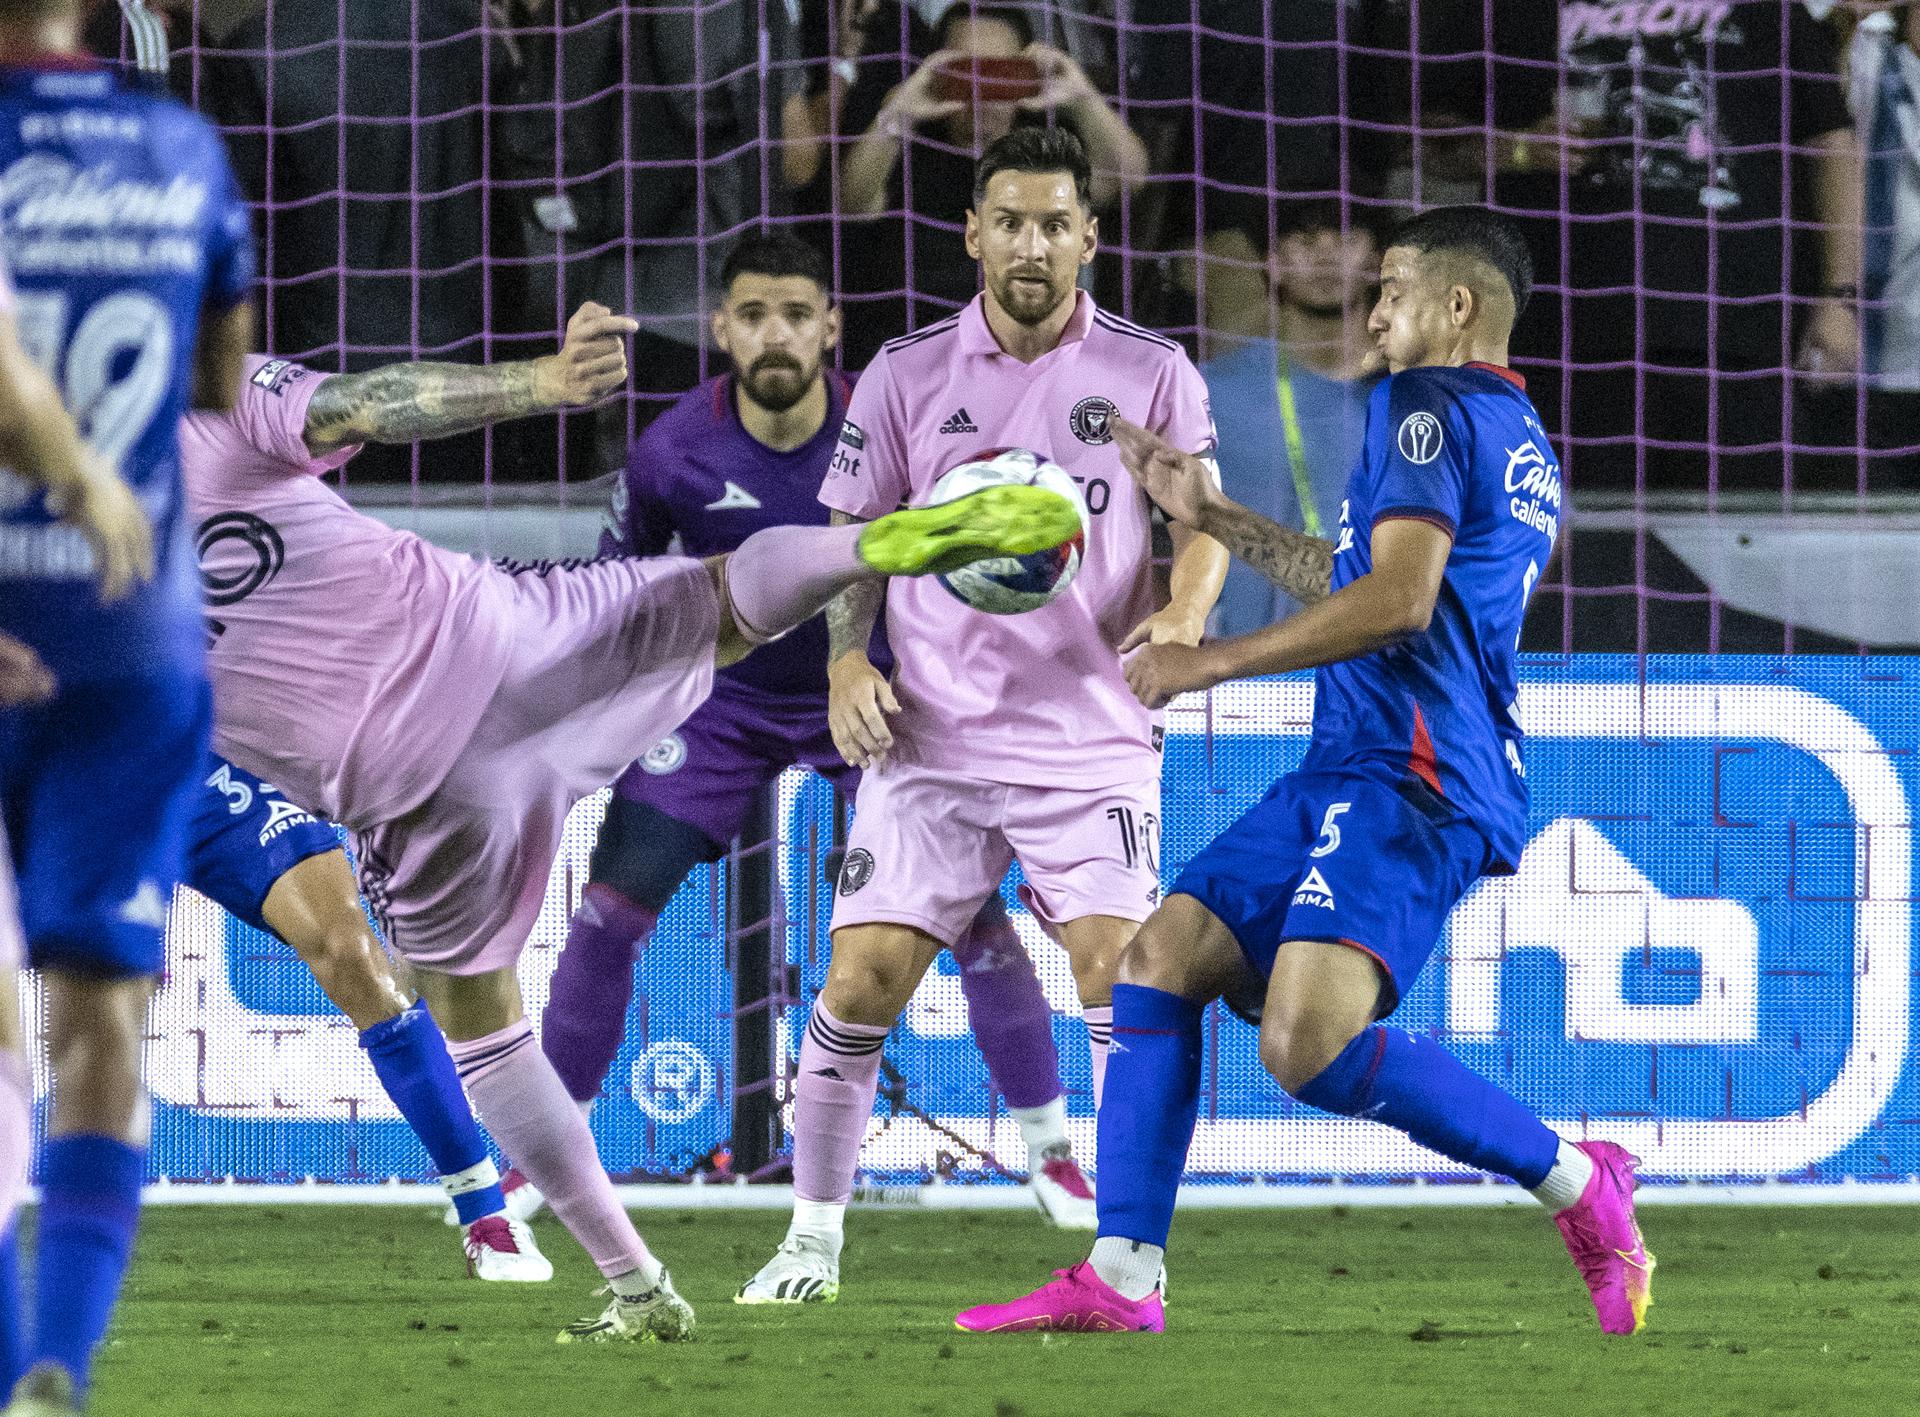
x: 734, y: 496
x: 960, y: 423
x: 1314, y: 891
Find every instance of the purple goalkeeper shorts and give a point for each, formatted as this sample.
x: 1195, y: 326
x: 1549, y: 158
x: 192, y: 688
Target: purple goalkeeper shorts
x: 707, y: 770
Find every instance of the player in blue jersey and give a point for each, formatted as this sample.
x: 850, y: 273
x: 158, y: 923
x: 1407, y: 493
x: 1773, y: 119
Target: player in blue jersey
x: 1315, y: 911
x: 272, y: 864
x: 741, y: 452
x: 131, y: 258
x: 39, y: 445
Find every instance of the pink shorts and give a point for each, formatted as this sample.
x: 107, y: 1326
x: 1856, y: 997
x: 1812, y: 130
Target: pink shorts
x: 927, y: 848
x: 610, y: 658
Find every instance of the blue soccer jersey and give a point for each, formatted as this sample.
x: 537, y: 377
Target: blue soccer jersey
x: 122, y: 222
x: 1461, y: 448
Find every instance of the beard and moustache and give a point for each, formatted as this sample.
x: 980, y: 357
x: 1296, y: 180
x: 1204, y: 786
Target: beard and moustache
x: 778, y: 381
x: 1025, y: 303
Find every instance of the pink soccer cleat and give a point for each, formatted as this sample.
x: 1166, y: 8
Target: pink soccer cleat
x: 1074, y: 1301
x: 1605, y: 1242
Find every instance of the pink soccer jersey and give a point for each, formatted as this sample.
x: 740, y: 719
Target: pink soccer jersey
x: 1039, y: 697
x: 384, y: 649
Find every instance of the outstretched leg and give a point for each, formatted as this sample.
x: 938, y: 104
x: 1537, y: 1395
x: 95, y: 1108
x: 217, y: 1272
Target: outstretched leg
x: 523, y: 1103
x: 785, y: 575
x: 1319, y: 1041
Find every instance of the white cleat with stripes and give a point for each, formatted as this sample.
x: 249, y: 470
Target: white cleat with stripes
x: 802, y: 1271
x: 658, y: 1316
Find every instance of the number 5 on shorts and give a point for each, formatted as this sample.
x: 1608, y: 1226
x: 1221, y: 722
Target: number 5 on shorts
x: 1330, y: 829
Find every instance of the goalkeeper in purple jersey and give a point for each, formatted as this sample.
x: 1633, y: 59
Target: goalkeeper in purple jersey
x: 1315, y: 911
x: 737, y: 454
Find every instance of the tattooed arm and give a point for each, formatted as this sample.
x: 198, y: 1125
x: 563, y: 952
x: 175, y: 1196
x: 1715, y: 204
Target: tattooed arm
x: 1183, y: 487
x: 405, y: 403
x: 859, y: 698
x: 1299, y: 564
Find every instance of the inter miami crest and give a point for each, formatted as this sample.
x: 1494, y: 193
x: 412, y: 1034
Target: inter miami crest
x: 1092, y: 420
x: 856, y: 870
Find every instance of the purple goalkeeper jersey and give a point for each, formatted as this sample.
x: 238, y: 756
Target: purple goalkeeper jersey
x: 698, y: 482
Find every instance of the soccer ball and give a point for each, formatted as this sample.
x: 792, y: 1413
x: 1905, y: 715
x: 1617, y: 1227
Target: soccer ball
x: 1009, y: 585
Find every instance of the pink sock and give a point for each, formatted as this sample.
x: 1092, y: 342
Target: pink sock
x: 16, y: 1132
x: 1008, y: 1011
x: 785, y: 575
x: 832, y: 1102
x: 524, y: 1104
x: 1099, y: 1039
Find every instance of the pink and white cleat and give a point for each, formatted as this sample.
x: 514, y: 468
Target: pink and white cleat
x: 1074, y: 1301
x: 523, y: 1198
x: 503, y: 1250
x: 1604, y: 1240
x: 1061, y: 1190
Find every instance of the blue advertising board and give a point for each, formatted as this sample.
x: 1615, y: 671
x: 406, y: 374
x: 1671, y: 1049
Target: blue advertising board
x: 1707, y: 954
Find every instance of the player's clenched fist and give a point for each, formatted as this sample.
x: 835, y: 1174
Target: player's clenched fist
x: 1159, y: 674
x: 859, y: 698
x: 1180, y: 484
x: 592, y: 361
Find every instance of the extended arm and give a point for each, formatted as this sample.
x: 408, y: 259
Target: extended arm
x: 1183, y: 487
x: 1299, y: 564
x: 1391, y: 603
x: 405, y: 403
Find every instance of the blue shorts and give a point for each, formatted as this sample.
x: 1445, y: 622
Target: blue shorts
x: 245, y: 836
x: 97, y: 787
x: 1342, y: 856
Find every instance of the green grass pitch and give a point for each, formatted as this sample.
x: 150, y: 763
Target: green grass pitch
x: 325, y: 1309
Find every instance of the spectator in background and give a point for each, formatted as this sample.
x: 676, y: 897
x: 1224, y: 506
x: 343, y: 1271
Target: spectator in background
x: 918, y: 145
x: 1271, y: 74
x: 604, y: 87
x: 1882, y: 70
x: 372, y: 171
x: 1487, y: 72
x: 1681, y: 202
x: 1291, y: 407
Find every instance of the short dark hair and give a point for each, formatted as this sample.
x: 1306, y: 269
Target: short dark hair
x: 1035, y: 150
x: 1478, y: 232
x: 1012, y: 16
x: 774, y: 253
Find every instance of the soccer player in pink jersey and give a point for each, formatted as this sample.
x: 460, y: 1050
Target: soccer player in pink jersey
x: 450, y: 712
x: 998, y: 737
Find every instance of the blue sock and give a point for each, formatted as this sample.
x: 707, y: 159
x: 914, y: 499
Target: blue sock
x: 410, y: 1057
x: 1414, y: 1084
x: 89, y: 1209
x: 1151, y: 1102
x: 13, y: 1320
